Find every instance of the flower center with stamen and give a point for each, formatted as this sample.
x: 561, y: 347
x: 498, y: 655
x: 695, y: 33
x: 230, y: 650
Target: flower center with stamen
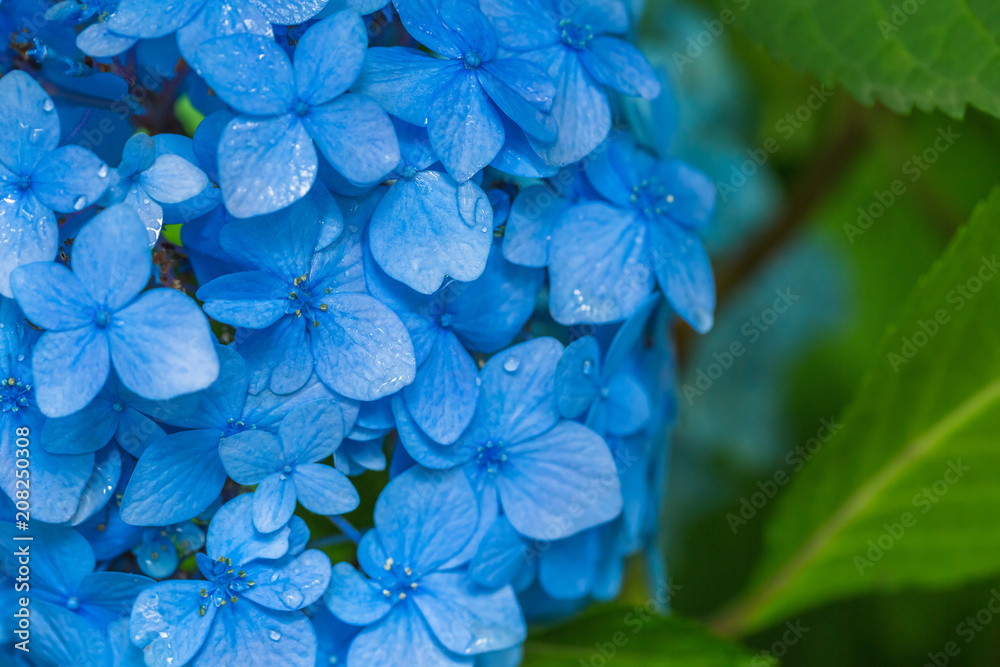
x: 303, y: 302
x: 224, y: 584
x: 491, y: 455
x: 15, y: 395
x: 472, y: 60
x: 405, y: 581
x: 102, y: 319
x: 234, y: 426
x: 651, y: 197
x: 576, y: 35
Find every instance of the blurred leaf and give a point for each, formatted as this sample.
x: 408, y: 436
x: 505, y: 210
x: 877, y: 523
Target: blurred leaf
x: 629, y: 636
x: 908, y: 493
x: 944, y: 53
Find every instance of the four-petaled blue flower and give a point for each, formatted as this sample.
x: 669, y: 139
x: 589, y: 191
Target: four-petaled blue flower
x: 266, y: 156
x: 159, y: 342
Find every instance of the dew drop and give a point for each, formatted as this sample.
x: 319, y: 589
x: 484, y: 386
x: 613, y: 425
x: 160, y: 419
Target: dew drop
x: 103, y: 171
x: 274, y: 635
x: 292, y: 598
x: 48, y: 104
x: 588, y: 366
x: 511, y: 364
x: 79, y: 203
x: 486, y: 229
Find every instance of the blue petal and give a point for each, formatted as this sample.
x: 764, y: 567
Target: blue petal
x: 70, y: 368
x: 253, y: 299
x: 578, y: 376
x: 289, y: 584
x: 580, y: 109
x: 70, y: 179
x: 141, y: 18
x: 213, y: 407
x: 610, y: 15
x: 624, y: 410
x: 465, y: 127
x: 56, y: 484
x: 414, y: 145
x: 356, y: 136
x: 567, y: 569
x: 52, y: 297
x: 312, y: 431
x: 405, y: 82
x: 172, y: 179
x: 217, y: 19
x: 138, y: 154
x: 249, y: 72
x: 598, y: 265
x: 530, y: 225
x: 61, y: 562
x: 147, y: 209
x: 323, y: 490
x: 429, y: 227
x: 28, y: 233
x: 618, y: 64
x: 232, y: 534
x: 626, y: 340
x: 265, y: 164
x: 279, y: 356
x: 560, y: 483
x: 111, y: 257
x: 246, y: 634
x: 517, y: 397
x: 424, y: 518
x: 693, y: 201
x: 100, y: 486
x: 467, y: 618
x: 289, y: 12
x: 524, y: 92
x: 470, y: 29
x: 523, y: 25
x: 252, y: 241
x: 82, y: 432
x: 518, y: 157
x: 402, y: 638
x: 329, y: 57
x: 684, y: 272
x: 136, y: 432
x: 176, y: 479
x: 273, y: 502
x: 29, y: 123
x: 114, y: 592
x: 251, y: 456
x: 501, y: 555
x: 354, y: 598
x: 425, y: 450
x: 65, y: 638
x: 100, y: 41
x: 206, y: 141
x: 361, y: 349
x: 159, y: 366
x: 166, y: 624
x: 442, y: 397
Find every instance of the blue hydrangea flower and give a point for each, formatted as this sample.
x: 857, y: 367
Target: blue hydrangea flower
x: 286, y: 468
x: 574, y: 42
x: 415, y: 586
x: 427, y: 227
x: 522, y: 457
x: 181, y: 475
x: 267, y: 158
x: 148, y: 178
x: 302, y: 308
x: 161, y: 549
x: 464, y: 95
x: 71, y: 605
x: 606, y: 257
x: 482, y: 316
x: 609, y: 395
x: 158, y: 342
x: 38, y: 177
x: 246, y: 611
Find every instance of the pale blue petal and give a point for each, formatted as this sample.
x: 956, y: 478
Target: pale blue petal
x: 421, y: 447
x: 246, y: 634
x: 501, y: 555
x: 402, y: 638
x: 465, y: 127
x: 52, y: 297
x: 628, y: 337
x: 598, y: 268
x: 523, y: 25
x: 442, y: 397
x: 114, y: 592
x: 312, y: 431
x: 273, y: 502
x: 176, y: 479
x: 172, y: 179
x: 101, y: 484
x: 289, y: 584
x: 166, y: 624
x: 361, y: 348
x: 353, y: 598
x: 56, y: 484
x: 253, y: 299
x: 265, y: 164
x: 111, y: 257
x: 29, y: 123
x: 429, y: 227
x: 329, y: 57
x: 70, y: 368
x: 28, y: 233
x: 289, y: 12
x: 232, y: 534
x: 100, y: 41
x: 219, y: 18
x: 62, y: 561
x: 70, y: 179
x: 251, y: 456
x: 288, y: 255
x: 684, y: 273
x: 524, y: 92
x: 405, y: 82
x: 323, y: 490
x: 560, y: 483
x: 567, y: 569
x: 82, y: 432
x: 356, y: 136
x: 62, y: 637
x: 141, y: 18
x: 625, y: 409
x: 467, y: 618
x: 249, y: 72
x: 578, y: 377
x: 616, y: 63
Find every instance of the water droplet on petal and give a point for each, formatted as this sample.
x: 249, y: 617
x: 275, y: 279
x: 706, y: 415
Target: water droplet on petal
x: 103, y: 171
x: 292, y: 598
x: 588, y: 366
x: 79, y: 203
x: 511, y: 364
x: 485, y: 229
x: 274, y: 635
x: 48, y: 104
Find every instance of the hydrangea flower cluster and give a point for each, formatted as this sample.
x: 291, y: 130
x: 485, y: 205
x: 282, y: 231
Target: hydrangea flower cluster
x: 406, y: 245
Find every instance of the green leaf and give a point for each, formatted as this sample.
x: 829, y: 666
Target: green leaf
x: 907, y: 493
x: 629, y: 636
x: 927, y: 53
